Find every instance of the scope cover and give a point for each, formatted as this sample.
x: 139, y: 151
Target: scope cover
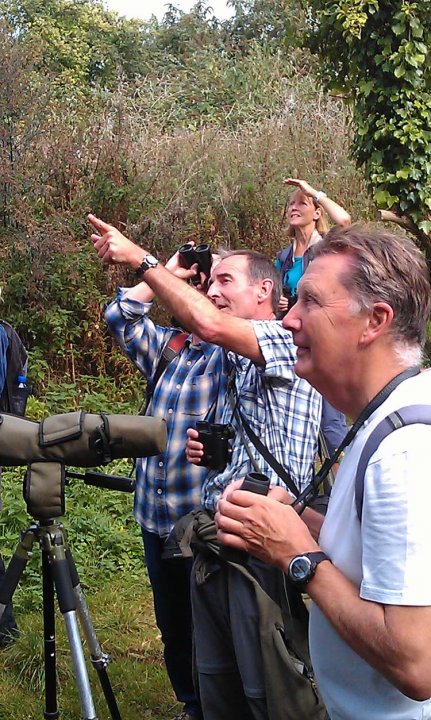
x: 79, y: 438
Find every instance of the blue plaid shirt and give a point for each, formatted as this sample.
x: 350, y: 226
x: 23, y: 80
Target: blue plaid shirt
x: 283, y: 410
x: 192, y: 388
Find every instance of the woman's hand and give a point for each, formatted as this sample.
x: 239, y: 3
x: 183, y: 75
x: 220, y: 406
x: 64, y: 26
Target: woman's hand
x: 303, y: 185
x: 283, y: 304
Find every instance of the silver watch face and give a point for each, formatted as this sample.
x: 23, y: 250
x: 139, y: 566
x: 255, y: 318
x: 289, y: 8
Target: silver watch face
x: 151, y: 261
x: 300, y: 569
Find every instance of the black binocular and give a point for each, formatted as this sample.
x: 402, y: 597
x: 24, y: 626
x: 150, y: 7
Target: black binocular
x: 253, y: 482
x: 215, y: 439
x: 200, y: 254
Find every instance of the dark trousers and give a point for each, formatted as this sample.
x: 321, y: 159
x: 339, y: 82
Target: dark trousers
x: 170, y: 582
x: 228, y: 648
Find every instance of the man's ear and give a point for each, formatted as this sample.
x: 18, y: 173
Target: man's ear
x: 379, y: 322
x: 265, y: 290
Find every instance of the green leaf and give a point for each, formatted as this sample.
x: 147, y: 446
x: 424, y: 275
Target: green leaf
x: 399, y: 28
x: 403, y: 173
x: 383, y: 198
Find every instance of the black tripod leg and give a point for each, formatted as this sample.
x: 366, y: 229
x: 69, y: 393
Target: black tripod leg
x: 99, y: 659
x: 51, y: 707
x: 16, y: 567
x: 67, y: 604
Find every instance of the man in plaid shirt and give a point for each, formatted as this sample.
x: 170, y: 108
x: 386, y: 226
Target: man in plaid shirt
x: 283, y: 411
x: 192, y: 387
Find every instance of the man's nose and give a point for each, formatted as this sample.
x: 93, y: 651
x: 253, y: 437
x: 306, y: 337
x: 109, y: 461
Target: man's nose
x: 291, y: 320
x: 212, y: 291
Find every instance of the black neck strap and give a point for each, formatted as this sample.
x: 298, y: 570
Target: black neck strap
x: 311, y: 490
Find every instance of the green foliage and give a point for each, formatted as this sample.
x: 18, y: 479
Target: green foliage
x: 272, y: 23
x: 106, y: 544
x: 80, y: 42
x: 124, y: 622
x: 377, y: 52
x: 194, y: 148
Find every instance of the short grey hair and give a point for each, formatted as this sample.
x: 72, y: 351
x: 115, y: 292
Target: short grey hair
x: 385, y: 268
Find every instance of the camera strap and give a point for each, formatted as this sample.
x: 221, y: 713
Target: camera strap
x: 272, y: 461
x: 243, y: 424
x: 170, y: 351
x: 310, y: 492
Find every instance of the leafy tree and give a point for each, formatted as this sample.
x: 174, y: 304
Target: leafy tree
x: 272, y: 23
x: 24, y: 103
x: 377, y: 53
x: 80, y: 42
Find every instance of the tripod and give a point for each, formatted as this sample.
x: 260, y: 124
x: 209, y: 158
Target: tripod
x: 60, y: 577
x: 87, y: 440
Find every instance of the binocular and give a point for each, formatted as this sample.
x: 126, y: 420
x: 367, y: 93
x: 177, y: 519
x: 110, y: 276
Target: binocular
x: 253, y: 482
x: 215, y: 438
x: 200, y: 254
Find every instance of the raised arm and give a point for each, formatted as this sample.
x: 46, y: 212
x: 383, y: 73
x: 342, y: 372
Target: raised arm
x: 194, y: 311
x: 336, y: 212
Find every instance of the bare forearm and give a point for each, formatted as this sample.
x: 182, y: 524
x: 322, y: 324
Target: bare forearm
x: 395, y: 640
x: 336, y: 212
x: 382, y: 635
x: 313, y: 521
x: 194, y: 311
x: 141, y: 292
x: 198, y: 315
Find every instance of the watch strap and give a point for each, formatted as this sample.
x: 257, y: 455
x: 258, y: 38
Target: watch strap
x: 316, y: 556
x: 318, y: 195
x: 147, y: 263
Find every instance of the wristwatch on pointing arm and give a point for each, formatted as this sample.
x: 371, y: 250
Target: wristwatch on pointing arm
x: 147, y: 263
x: 303, y: 567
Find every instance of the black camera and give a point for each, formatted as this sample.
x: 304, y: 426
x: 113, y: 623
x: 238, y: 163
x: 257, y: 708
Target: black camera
x: 215, y: 438
x: 201, y: 254
x: 291, y: 300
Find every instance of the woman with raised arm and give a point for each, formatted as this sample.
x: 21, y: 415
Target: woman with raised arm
x: 306, y: 215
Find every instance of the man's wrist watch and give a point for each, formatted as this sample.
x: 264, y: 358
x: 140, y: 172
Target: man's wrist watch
x: 303, y: 567
x: 147, y: 263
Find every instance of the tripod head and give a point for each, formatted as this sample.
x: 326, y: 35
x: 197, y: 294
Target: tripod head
x: 78, y: 439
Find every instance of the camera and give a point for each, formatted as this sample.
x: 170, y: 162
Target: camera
x: 201, y: 254
x: 215, y: 438
x: 291, y: 299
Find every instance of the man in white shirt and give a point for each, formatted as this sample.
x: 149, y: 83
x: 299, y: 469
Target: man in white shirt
x: 360, y: 321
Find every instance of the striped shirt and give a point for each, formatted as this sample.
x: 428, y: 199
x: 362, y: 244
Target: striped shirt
x: 283, y: 410
x: 192, y: 388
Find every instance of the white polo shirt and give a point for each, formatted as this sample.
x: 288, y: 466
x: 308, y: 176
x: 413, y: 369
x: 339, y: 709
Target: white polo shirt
x: 387, y: 555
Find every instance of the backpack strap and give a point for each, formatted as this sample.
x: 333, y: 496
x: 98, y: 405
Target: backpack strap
x: 171, y: 350
x: 286, y: 260
x: 410, y: 415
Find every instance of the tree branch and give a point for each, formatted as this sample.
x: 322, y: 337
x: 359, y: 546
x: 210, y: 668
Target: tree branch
x: 401, y: 220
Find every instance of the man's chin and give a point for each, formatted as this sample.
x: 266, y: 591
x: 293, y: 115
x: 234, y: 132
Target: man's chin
x: 302, y: 365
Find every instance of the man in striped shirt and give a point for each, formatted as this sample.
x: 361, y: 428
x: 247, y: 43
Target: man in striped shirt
x: 284, y: 411
x: 192, y: 387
